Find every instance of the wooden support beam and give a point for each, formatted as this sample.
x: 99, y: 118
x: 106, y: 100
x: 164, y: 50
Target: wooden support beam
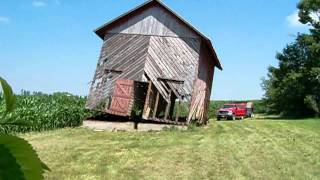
x: 156, y: 105
x: 113, y: 70
x: 175, y: 92
x: 146, y: 108
x: 178, y: 81
x: 178, y: 111
x: 168, y: 106
x: 167, y: 111
x: 173, y: 102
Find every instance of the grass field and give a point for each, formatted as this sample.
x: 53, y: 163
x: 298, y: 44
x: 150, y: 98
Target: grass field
x: 250, y: 149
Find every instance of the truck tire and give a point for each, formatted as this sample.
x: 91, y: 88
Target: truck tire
x: 218, y: 118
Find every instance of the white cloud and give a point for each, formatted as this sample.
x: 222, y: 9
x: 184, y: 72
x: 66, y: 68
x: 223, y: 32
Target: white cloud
x: 315, y: 16
x: 38, y: 3
x: 4, y: 19
x: 293, y: 20
x: 57, y: 2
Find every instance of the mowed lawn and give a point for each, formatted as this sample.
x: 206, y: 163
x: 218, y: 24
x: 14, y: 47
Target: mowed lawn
x: 249, y: 149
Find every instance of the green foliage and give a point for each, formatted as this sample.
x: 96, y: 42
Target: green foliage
x: 309, y: 12
x: 213, y: 108
x: 44, y: 112
x: 259, y: 107
x: 19, y: 160
x: 311, y: 103
x: 288, y: 86
x: 293, y: 88
x: 194, y: 126
x: 8, y: 95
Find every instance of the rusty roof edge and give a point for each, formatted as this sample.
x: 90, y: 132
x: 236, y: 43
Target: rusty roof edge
x: 218, y: 64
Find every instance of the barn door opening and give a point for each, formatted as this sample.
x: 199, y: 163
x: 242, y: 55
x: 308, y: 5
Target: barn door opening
x: 122, y: 98
x: 158, y: 108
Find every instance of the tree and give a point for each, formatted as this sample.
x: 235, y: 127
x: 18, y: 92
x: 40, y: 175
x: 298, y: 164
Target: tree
x: 309, y: 13
x: 18, y: 160
x: 293, y: 88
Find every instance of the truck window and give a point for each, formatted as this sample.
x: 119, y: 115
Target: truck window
x: 228, y: 106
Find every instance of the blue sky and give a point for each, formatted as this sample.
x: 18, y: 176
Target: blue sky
x: 49, y: 45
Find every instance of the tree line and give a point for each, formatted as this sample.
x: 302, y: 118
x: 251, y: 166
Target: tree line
x: 293, y: 88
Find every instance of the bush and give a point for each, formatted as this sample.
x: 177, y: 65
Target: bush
x: 44, y: 112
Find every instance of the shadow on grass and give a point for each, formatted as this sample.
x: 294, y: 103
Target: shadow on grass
x: 280, y: 117
x: 101, y: 116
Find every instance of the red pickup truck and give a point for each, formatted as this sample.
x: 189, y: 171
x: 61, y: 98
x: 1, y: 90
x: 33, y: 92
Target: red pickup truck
x: 235, y: 110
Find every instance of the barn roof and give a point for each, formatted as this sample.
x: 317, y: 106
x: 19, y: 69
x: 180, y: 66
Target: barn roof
x: 102, y: 29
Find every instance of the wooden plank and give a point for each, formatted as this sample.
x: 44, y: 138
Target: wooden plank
x: 196, y: 109
x: 156, y: 105
x: 172, y: 106
x: 167, y: 110
x: 113, y: 70
x: 146, y: 112
x: 171, y: 80
x: 122, y: 98
x: 171, y: 58
x: 205, y: 75
x: 178, y: 111
x: 168, y: 107
x: 153, y: 73
x: 154, y: 21
x: 122, y: 57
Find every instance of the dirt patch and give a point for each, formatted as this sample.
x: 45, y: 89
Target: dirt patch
x: 127, y: 126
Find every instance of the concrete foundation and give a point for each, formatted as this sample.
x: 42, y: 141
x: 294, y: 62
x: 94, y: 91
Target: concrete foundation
x: 127, y: 126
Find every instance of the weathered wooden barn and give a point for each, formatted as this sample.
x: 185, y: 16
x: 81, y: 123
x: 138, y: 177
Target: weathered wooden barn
x: 152, y: 64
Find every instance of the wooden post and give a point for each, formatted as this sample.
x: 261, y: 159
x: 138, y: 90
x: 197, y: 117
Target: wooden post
x: 167, y: 110
x: 146, y: 112
x: 178, y: 111
x: 156, y: 106
x: 172, y: 106
x: 168, y: 106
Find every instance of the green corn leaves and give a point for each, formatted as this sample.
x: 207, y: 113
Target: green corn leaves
x: 8, y: 95
x: 18, y: 160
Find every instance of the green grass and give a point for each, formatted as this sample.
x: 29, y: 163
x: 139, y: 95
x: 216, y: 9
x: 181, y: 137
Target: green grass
x: 250, y: 149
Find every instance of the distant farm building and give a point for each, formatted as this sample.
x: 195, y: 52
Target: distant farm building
x: 152, y: 63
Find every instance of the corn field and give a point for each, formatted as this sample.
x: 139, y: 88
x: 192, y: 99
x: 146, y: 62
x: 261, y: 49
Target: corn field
x: 39, y: 112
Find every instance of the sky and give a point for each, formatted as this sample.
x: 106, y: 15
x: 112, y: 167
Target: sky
x: 50, y: 46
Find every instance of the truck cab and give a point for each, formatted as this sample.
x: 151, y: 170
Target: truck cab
x: 232, y: 111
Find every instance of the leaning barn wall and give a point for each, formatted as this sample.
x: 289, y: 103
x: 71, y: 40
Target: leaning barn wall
x: 173, y: 51
x: 172, y: 58
x: 122, y: 57
x: 202, y: 88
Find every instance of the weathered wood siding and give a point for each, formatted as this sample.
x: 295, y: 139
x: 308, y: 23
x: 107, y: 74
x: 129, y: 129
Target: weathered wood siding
x: 202, y: 88
x: 172, y: 58
x: 122, y: 57
x: 154, y: 21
